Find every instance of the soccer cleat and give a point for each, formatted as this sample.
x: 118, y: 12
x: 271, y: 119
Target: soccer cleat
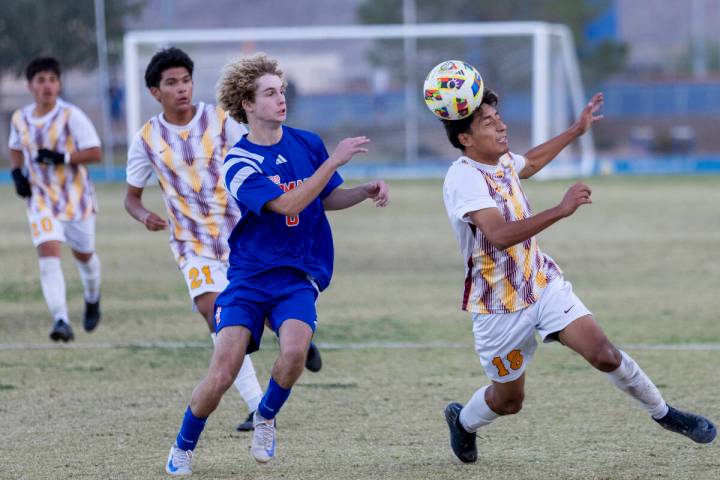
x: 697, y: 428
x: 247, y: 425
x: 92, y: 315
x: 61, y: 330
x: 263, y: 441
x: 462, y: 442
x: 179, y: 462
x: 313, y: 362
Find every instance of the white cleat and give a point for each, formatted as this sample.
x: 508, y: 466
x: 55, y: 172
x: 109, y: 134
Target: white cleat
x: 179, y: 462
x: 263, y: 442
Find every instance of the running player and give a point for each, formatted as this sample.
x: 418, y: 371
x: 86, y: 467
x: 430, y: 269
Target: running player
x: 184, y: 145
x: 50, y: 143
x: 281, y: 251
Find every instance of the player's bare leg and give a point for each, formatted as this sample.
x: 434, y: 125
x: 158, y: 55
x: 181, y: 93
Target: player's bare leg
x: 294, y: 337
x: 230, y: 348
x: 246, y: 381
x: 89, y: 268
x: 586, y: 337
x: 52, y: 282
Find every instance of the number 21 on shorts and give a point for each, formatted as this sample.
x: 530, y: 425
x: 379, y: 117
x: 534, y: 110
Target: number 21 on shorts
x: 196, y: 279
x: 514, y: 360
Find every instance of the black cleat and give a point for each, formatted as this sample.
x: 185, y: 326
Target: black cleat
x: 462, y: 442
x: 61, y: 330
x: 247, y: 425
x: 92, y: 315
x: 697, y: 428
x: 313, y: 362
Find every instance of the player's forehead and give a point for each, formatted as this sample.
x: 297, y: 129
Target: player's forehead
x: 268, y: 81
x: 174, y: 73
x: 44, y: 75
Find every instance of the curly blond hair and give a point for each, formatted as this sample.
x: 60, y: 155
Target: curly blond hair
x: 238, y: 82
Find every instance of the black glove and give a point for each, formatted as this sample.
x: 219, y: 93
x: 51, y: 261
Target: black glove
x: 49, y: 157
x: 22, y: 185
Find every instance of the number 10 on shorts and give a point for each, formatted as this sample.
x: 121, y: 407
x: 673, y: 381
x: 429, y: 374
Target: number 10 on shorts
x: 514, y: 361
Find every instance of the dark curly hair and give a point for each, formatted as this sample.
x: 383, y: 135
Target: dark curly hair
x: 164, y: 59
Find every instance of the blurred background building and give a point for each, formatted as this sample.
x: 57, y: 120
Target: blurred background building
x: 657, y: 61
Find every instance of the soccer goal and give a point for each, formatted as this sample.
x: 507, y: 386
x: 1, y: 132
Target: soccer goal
x: 367, y: 79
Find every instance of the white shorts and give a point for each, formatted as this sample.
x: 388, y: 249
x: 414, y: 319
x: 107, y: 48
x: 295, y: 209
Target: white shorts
x: 505, y: 342
x: 203, y: 275
x: 79, y: 235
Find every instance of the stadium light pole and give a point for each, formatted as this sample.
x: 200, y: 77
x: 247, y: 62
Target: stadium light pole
x: 101, y: 41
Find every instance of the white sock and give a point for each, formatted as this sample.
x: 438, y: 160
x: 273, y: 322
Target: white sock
x: 90, y: 277
x: 630, y: 378
x: 477, y: 413
x: 52, y: 282
x: 246, y: 383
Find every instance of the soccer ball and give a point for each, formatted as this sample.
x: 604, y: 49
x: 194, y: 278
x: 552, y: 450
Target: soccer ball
x: 453, y: 90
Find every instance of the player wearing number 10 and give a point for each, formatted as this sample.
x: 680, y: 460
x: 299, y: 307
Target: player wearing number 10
x: 513, y: 289
x: 51, y: 141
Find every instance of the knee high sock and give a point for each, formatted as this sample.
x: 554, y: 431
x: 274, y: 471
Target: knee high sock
x: 52, y: 282
x: 90, y: 277
x: 477, y: 413
x: 246, y: 383
x: 630, y: 378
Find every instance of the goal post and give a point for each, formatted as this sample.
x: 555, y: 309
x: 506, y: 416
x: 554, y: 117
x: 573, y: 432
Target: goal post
x: 342, y: 80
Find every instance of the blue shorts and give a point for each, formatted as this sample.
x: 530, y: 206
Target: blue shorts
x: 277, y: 295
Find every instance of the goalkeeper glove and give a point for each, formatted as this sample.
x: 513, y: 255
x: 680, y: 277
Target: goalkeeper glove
x: 22, y: 185
x: 49, y: 157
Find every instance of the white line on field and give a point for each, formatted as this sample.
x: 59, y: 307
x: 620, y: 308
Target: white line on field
x: 324, y: 346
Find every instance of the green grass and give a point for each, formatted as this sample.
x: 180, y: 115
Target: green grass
x: 642, y: 258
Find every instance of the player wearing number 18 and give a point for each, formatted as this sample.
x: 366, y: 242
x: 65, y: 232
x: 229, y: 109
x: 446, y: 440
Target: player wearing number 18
x: 51, y: 141
x: 513, y: 289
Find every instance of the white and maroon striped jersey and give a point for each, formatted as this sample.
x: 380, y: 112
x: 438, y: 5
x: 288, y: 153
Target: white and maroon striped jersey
x: 496, y: 281
x: 63, y: 191
x: 188, y: 162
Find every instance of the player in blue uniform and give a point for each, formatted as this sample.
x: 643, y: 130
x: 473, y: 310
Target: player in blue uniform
x: 281, y: 251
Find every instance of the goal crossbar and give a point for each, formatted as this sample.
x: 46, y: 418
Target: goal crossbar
x: 541, y: 32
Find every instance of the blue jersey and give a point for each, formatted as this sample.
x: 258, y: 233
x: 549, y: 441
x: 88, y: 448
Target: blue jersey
x: 263, y: 240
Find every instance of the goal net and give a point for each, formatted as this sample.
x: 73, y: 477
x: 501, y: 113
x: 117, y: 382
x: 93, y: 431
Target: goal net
x: 367, y: 80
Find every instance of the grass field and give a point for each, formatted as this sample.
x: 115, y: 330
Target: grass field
x: 642, y: 257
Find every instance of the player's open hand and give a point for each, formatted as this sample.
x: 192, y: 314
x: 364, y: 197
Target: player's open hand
x: 588, y: 115
x: 154, y: 222
x: 378, y: 191
x: 347, y: 148
x: 578, y: 194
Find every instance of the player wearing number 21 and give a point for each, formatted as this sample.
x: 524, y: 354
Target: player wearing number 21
x: 51, y: 141
x: 513, y: 289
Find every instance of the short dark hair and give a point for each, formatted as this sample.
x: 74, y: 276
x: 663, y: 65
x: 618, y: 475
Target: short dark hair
x: 453, y: 128
x: 42, y: 64
x: 164, y: 59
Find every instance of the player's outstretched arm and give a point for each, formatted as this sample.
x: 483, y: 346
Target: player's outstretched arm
x: 537, y: 157
x: 342, y: 198
x: 294, y: 201
x: 136, y: 209
x: 504, y: 234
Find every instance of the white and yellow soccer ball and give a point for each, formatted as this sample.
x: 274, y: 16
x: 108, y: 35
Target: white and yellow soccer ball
x: 453, y: 90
